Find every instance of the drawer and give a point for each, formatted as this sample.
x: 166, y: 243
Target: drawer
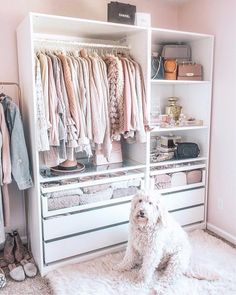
x: 184, y: 199
x: 83, y: 221
x: 189, y: 216
x: 81, y: 244
x: 86, y: 197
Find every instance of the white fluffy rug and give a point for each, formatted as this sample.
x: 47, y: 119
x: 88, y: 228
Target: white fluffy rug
x: 97, y: 276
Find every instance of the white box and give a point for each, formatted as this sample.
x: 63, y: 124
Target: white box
x: 116, y: 155
x: 142, y: 19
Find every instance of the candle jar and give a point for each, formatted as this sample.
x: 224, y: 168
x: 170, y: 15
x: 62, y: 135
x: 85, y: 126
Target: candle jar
x: 172, y: 109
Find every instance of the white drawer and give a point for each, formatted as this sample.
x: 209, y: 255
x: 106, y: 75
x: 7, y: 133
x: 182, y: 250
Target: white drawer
x: 83, y: 221
x: 84, y: 243
x: 103, y: 198
x: 184, y: 199
x: 189, y: 216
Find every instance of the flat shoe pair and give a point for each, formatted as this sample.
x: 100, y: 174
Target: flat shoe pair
x: 3, y: 280
x: 18, y: 273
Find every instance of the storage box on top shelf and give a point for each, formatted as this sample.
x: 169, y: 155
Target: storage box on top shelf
x: 121, y: 13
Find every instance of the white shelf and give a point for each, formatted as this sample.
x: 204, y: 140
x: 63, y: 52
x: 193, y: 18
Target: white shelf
x: 168, y: 129
x: 93, y: 170
x: 177, y: 169
x: 57, y: 188
x: 180, y: 188
x: 178, y: 82
x: 173, y: 162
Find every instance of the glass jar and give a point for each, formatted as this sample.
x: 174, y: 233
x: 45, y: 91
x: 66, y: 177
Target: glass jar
x: 155, y: 115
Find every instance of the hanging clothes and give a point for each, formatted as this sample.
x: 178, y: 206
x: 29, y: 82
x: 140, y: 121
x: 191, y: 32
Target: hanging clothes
x: 2, y: 232
x: 19, y: 160
x: 96, y: 99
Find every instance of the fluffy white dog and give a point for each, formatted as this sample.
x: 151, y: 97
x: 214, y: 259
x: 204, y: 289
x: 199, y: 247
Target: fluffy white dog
x: 156, y: 241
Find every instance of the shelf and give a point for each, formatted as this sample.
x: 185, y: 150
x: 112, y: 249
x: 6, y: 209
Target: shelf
x: 178, y: 82
x: 93, y: 170
x: 173, y: 162
x: 69, y: 26
x: 180, y: 188
x: 168, y: 129
x: 177, y: 169
x: 81, y: 184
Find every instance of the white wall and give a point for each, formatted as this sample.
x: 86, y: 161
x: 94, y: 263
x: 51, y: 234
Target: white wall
x: 163, y: 13
x: 219, y: 18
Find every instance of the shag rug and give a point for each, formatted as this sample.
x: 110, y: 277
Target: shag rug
x: 97, y: 276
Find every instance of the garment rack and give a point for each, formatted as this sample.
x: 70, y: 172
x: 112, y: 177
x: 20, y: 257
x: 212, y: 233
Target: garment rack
x: 13, y: 84
x: 82, y: 44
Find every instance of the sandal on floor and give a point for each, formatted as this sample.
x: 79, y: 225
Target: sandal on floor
x: 3, y: 280
x: 16, y: 272
x: 29, y: 268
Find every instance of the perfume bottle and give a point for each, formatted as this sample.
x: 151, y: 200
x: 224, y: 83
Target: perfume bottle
x: 172, y: 109
x: 155, y: 115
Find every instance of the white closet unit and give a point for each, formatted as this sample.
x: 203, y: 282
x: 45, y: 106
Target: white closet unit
x: 195, y: 98
x: 82, y: 232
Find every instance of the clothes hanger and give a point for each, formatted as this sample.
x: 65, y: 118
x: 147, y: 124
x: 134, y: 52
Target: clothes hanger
x: 2, y: 94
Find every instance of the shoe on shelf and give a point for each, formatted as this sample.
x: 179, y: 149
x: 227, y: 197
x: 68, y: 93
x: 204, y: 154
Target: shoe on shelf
x: 29, y: 268
x: 16, y: 272
x: 19, y: 250
x: 8, y: 251
x: 3, y: 280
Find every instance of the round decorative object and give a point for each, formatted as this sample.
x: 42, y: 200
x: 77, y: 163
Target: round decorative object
x: 79, y: 168
x: 170, y: 68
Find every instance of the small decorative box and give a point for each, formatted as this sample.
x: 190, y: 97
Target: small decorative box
x: 142, y: 19
x: 116, y: 155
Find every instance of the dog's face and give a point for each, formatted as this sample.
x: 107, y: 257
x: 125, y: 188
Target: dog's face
x: 147, y: 210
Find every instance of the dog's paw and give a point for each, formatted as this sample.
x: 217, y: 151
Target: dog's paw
x: 141, y: 279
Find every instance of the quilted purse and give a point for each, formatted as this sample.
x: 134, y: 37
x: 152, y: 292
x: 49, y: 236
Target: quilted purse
x: 186, y: 150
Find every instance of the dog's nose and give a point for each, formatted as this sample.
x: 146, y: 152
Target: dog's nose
x: 141, y: 213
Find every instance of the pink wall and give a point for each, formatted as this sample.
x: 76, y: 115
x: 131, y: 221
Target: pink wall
x: 218, y: 18
x: 163, y: 14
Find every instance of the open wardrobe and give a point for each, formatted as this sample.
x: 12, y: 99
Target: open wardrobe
x: 89, y: 98
x: 117, y: 172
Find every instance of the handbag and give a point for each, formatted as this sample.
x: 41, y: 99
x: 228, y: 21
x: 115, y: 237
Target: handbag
x: 121, y: 13
x: 186, y: 150
x: 189, y: 71
x: 179, y: 52
x: 157, y: 67
x: 170, y: 68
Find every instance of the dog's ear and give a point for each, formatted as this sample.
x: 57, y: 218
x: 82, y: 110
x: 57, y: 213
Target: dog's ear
x: 136, y: 199
x: 134, y: 202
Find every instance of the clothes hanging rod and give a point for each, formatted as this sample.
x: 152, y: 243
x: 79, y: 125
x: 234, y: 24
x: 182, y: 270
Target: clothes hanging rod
x: 82, y: 44
x: 18, y: 88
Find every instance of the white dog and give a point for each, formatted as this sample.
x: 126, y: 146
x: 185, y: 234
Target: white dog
x: 156, y: 241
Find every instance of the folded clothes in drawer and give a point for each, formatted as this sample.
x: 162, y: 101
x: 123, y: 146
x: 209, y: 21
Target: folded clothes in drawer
x: 71, y: 198
x: 165, y: 181
x: 90, y: 194
x: 122, y: 192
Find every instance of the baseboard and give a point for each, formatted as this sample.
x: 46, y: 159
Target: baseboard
x: 220, y: 232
